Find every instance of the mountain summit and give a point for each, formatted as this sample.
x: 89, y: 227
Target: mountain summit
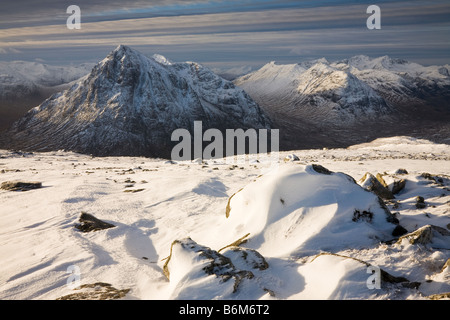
x: 130, y: 104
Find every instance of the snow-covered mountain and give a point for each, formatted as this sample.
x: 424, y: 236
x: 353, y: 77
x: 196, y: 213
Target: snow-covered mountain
x: 23, y: 85
x: 344, y: 101
x: 402, y: 83
x: 130, y: 104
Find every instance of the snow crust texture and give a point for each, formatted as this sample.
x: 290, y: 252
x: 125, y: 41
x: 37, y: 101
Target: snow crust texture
x: 309, y: 229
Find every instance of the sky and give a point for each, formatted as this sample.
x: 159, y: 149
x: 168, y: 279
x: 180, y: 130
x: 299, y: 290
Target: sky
x: 225, y: 35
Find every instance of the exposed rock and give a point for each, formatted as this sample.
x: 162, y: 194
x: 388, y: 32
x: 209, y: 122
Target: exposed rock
x: 439, y: 296
x: 372, y: 184
x: 133, y: 190
x: 20, y: 185
x: 441, y: 230
x: 212, y: 262
x: 420, y: 202
x: 446, y: 265
x: 424, y: 235
x: 90, y: 223
x: 320, y: 169
x: 386, y: 277
x: 435, y: 178
x: 381, y: 180
x: 96, y: 291
x: 248, y: 258
x: 398, y: 186
x: 236, y: 243
x: 291, y: 157
x: 401, y: 171
x: 420, y: 236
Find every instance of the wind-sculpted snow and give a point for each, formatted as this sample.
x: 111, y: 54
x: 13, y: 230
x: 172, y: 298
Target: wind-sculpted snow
x: 130, y: 104
x: 303, y: 231
x: 278, y: 211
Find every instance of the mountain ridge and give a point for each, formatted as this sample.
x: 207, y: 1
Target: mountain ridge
x: 350, y: 99
x: 130, y: 104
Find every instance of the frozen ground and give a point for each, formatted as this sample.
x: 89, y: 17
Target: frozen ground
x: 304, y: 238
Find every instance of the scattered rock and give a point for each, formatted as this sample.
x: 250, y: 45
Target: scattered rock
x: 236, y: 243
x: 398, y: 186
x: 228, y: 208
x: 420, y: 202
x: 446, y: 265
x: 90, y: 223
x: 435, y: 178
x: 133, y: 190
x: 424, y: 235
x: 385, y: 276
x: 439, y: 296
x: 381, y: 180
x: 20, y: 185
x: 291, y: 157
x: 211, y: 262
x: 318, y: 168
x: 369, y: 182
x: 96, y: 291
x: 401, y: 171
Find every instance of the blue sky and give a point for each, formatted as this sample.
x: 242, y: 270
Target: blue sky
x: 225, y: 34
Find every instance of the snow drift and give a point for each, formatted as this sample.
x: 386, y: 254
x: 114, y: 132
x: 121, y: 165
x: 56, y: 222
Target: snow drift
x: 299, y: 210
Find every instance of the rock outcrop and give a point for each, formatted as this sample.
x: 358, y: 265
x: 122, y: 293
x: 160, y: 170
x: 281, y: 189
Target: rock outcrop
x: 89, y: 223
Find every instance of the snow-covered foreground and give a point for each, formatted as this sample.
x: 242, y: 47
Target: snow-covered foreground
x: 216, y: 230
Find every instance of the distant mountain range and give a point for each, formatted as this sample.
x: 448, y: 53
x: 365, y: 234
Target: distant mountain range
x: 319, y: 103
x: 129, y: 104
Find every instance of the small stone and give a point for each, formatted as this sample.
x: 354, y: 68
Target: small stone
x: 320, y: 169
x: 420, y: 202
x: 398, y: 186
x: 291, y: 157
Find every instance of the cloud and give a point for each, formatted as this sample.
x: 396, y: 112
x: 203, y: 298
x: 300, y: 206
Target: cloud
x: 249, y: 33
x: 9, y: 50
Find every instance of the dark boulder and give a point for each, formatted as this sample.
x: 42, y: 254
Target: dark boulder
x: 90, y: 223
